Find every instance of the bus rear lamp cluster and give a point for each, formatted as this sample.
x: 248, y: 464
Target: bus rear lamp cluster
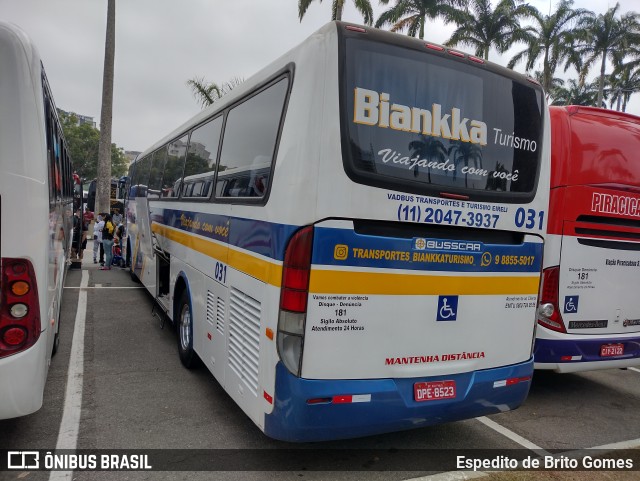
x: 548, y: 311
x: 19, y: 312
x: 293, y: 299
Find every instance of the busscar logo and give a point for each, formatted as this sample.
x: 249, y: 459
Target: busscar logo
x: 23, y: 460
x: 420, y: 244
x: 340, y: 252
x: 454, y: 245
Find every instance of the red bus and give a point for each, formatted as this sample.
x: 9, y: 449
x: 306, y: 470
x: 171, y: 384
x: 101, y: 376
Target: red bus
x: 589, y: 313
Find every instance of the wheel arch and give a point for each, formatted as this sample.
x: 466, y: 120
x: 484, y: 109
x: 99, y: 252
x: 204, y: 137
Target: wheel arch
x: 182, y: 285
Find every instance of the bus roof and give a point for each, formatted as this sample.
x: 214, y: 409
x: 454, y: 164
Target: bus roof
x: 593, y: 146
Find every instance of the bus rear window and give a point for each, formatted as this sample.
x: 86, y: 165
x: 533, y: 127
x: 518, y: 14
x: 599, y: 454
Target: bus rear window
x: 425, y: 123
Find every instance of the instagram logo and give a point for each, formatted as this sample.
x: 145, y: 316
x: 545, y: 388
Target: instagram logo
x: 340, y: 252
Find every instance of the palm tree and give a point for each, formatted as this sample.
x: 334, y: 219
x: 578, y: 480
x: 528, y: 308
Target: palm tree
x: 483, y: 28
x: 463, y: 153
x: 207, y: 93
x: 600, y: 37
x: 427, y: 148
x: 363, y: 6
x: 103, y: 184
x: 412, y: 14
x: 576, y: 93
x: 621, y: 85
x: 552, y: 39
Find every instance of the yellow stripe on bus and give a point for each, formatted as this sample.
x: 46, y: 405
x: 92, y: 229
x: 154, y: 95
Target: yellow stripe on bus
x: 349, y: 282
x: 251, y: 265
x: 344, y: 282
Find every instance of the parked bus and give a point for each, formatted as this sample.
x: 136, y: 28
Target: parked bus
x: 589, y: 313
x: 116, y: 196
x: 363, y: 250
x: 36, y: 224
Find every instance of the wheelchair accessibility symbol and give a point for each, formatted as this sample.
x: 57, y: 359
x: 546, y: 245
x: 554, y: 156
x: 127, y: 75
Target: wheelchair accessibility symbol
x: 571, y: 304
x: 447, y: 308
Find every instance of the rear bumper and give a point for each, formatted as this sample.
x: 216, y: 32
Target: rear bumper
x: 22, y: 377
x: 584, y: 354
x: 386, y: 405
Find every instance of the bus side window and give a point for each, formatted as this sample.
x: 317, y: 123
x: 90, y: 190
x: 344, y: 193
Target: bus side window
x: 173, y: 168
x: 201, y: 157
x: 155, y: 175
x: 249, y: 142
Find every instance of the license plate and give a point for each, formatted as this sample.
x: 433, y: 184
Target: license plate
x: 609, y: 350
x: 434, y: 390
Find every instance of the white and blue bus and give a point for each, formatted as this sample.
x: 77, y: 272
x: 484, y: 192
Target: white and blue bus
x: 36, y: 224
x: 351, y: 240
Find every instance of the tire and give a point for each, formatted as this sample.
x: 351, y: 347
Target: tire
x: 184, y: 331
x: 134, y: 278
x: 56, y: 342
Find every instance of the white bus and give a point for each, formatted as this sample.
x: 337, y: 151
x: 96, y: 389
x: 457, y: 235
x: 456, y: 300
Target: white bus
x: 369, y: 256
x: 36, y: 223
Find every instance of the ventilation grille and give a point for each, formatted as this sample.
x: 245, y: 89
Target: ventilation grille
x: 220, y: 315
x: 244, y: 337
x: 211, y: 307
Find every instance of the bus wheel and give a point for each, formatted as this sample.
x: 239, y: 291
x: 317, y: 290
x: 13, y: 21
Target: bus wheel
x: 188, y: 356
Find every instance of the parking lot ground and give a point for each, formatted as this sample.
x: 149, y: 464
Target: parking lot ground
x: 577, y: 411
x: 137, y: 395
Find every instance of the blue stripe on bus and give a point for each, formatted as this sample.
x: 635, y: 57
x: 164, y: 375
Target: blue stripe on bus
x: 392, y: 406
x: 260, y: 237
x: 397, y: 253
x: 551, y: 351
x: 270, y: 240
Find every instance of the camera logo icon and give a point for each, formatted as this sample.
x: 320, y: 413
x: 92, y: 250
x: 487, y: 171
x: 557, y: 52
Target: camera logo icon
x: 340, y: 252
x: 23, y: 460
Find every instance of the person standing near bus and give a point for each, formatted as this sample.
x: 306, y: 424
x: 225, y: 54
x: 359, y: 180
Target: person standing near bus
x: 117, y: 218
x: 107, y: 241
x: 97, y: 240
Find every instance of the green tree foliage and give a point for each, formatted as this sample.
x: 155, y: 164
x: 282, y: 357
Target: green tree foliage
x: 207, y: 93
x: 413, y: 14
x: 482, y: 27
x: 575, y: 93
x: 601, y: 37
x: 621, y: 84
x: 83, y: 141
x: 337, y: 6
x: 551, y: 39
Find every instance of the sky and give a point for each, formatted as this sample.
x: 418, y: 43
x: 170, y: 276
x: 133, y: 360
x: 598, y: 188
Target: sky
x: 160, y: 44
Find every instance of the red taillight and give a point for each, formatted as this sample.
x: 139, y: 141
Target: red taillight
x: 549, y: 312
x: 19, y: 308
x: 295, y: 272
x: 14, y: 336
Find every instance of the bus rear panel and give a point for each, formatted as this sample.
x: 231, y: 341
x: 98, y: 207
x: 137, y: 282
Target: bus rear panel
x: 591, y: 258
x: 377, y: 266
x: 421, y: 297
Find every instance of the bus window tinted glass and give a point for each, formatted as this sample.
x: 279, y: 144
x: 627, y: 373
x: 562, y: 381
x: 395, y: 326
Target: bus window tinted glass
x: 141, y: 177
x: 172, y: 178
x: 418, y: 121
x: 249, y: 142
x: 201, y: 159
x: 155, y: 175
